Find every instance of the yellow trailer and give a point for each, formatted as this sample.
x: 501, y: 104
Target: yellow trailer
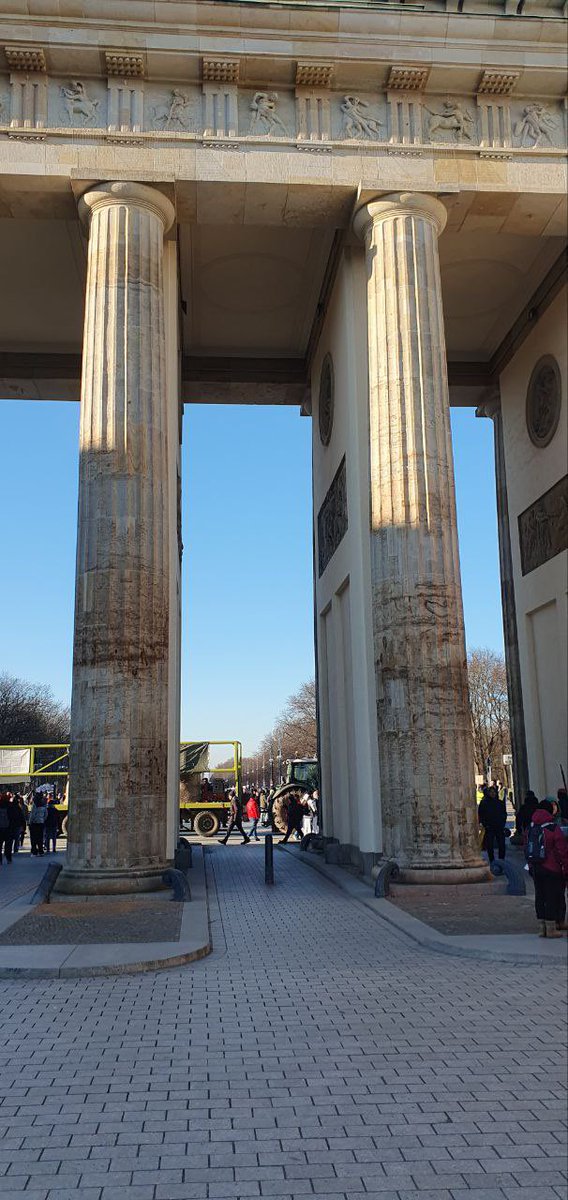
x: 204, y: 802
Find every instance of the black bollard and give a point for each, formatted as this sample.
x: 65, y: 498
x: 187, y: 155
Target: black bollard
x: 268, y: 859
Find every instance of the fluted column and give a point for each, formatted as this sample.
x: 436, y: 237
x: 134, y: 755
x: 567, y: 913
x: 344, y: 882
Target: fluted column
x: 119, y: 708
x: 424, y: 728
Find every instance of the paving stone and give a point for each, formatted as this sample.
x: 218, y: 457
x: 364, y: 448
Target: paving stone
x: 314, y: 1053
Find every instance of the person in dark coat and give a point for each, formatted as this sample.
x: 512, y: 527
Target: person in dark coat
x: 236, y: 819
x: 51, y: 825
x: 38, y: 814
x: 492, y: 814
x: 296, y: 812
x: 6, y: 835
x: 562, y: 797
x: 550, y: 874
x: 525, y: 814
x: 17, y: 823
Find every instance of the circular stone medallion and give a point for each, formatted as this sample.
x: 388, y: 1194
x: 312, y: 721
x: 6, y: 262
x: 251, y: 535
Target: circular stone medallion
x: 326, y: 400
x: 543, y: 401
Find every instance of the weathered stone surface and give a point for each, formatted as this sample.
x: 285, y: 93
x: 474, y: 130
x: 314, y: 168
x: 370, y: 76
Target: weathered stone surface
x: 424, y: 730
x: 118, y: 762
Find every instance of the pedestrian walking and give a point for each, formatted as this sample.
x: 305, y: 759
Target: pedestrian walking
x: 267, y: 814
x: 38, y: 815
x: 51, y: 827
x: 6, y: 836
x: 492, y: 815
x: 253, y: 814
x: 236, y: 819
x: 294, y: 818
x: 547, y: 854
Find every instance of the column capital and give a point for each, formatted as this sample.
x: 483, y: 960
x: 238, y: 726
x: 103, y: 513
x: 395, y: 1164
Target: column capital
x: 400, y: 204
x: 490, y: 405
x: 136, y: 195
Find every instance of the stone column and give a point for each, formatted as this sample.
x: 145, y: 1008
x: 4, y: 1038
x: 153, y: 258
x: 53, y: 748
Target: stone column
x: 492, y: 408
x: 119, y: 708
x: 424, y: 728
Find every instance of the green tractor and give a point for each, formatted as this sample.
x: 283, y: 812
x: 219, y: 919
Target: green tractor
x: 302, y: 775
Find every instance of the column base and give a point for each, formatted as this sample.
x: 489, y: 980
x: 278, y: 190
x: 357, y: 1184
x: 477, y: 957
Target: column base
x: 87, y: 882
x: 453, y: 875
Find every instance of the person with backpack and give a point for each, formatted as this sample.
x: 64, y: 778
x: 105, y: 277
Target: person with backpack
x: 547, y: 856
x: 492, y: 814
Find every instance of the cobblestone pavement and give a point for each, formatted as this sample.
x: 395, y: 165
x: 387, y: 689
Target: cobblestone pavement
x: 315, y: 1053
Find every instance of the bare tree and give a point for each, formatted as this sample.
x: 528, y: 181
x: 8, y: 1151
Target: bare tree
x: 30, y: 714
x: 489, y: 709
x: 293, y: 735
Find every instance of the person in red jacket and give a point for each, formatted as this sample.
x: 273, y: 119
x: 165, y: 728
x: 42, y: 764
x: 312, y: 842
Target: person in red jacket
x: 253, y: 814
x: 550, y: 874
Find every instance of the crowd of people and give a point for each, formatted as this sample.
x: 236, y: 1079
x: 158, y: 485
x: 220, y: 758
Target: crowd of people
x: 541, y: 827
x: 36, y: 812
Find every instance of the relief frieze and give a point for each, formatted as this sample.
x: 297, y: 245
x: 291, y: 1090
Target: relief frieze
x: 333, y: 518
x: 402, y: 118
x: 78, y: 108
x: 543, y: 527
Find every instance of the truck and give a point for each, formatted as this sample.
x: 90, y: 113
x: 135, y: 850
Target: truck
x: 302, y: 775
x: 204, y: 801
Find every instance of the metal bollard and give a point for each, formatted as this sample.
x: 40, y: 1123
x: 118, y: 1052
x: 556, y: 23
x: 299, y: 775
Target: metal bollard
x: 268, y: 859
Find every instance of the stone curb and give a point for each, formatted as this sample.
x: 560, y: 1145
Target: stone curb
x: 463, y: 946
x: 119, y: 958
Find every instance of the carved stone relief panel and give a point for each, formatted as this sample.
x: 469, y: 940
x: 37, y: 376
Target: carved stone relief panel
x: 78, y: 103
x: 536, y: 125
x: 177, y: 109
x: 266, y: 113
x: 450, y: 121
x: 544, y: 398
x: 333, y: 518
x: 543, y: 527
x: 359, y: 117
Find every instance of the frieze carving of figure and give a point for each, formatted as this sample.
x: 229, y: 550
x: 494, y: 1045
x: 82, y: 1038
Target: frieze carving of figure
x: 333, y: 520
x: 543, y: 528
x: 265, y: 119
x: 536, y: 124
x: 452, y: 119
x: 356, y: 123
x: 174, y: 113
x: 77, y: 103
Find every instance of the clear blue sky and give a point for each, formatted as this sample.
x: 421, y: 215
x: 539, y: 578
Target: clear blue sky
x: 247, y: 615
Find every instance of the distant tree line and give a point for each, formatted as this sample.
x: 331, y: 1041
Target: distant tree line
x: 30, y: 714
x: 294, y: 734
